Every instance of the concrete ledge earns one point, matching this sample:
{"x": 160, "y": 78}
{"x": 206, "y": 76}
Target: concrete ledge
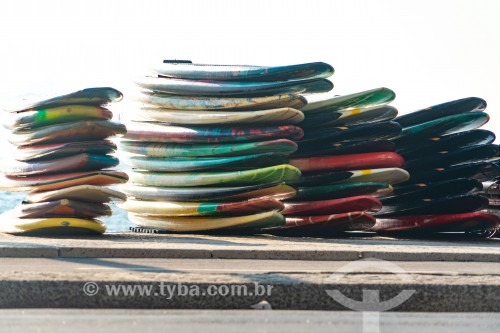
{"x": 250, "y": 247}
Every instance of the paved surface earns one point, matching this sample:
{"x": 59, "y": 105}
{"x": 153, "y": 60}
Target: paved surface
{"x": 121, "y": 321}
{"x": 250, "y": 247}
{"x": 298, "y": 285}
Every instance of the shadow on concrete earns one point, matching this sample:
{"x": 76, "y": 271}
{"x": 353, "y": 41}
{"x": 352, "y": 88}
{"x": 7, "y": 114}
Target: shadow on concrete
{"x": 118, "y": 265}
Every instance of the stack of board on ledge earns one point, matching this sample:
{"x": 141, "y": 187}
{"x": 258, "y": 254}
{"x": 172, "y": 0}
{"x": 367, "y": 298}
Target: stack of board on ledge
{"x": 209, "y": 147}
{"x": 448, "y": 158}
{"x": 62, "y": 159}
{"x": 346, "y": 159}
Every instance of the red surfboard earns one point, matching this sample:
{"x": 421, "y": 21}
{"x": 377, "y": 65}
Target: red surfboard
{"x": 334, "y": 206}
{"x": 353, "y": 221}
{"x": 349, "y": 162}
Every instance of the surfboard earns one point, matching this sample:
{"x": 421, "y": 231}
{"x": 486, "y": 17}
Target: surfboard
{"x": 446, "y": 142}
{"x": 80, "y": 162}
{"x": 442, "y": 110}
{"x": 333, "y": 206}
{"x": 453, "y": 204}
{"x": 183, "y": 164}
{"x": 348, "y": 162}
{"x": 482, "y": 171}
{"x": 352, "y": 221}
{"x": 277, "y": 173}
{"x": 221, "y": 103}
{"x": 89, "y": 96}
{"x": 192, "y": 71}
{"x": 387, "y": 175}
{"x": 199, "y": 224}
{"x": 446, "y": 125}
{"x": 350, "y": 133}
{"x": 350, "y": 116}
{"x": 455, "y": 156}
{"x": 439, "y": 222}
{"x": 345, "y": 148}
{"x": 85, "y": 193}
{"x": 282, "y": 116}
{"x": 336, "y": 191}
{"x": 57, "y": 115}
{"x": 60, "y": 181}
{"x": 172, "y": 208}
{"x": 62, "y": 208}
{"x": 181, "y": 134}
{"x": 57, "y": 150}
{"x": 78, "y": 130}
{"x": 220, "y": 88}
{"x": 281, "y": 146}
{"x": 50, "y": 226}
{"x": 278, "y": 191}
{"x": 410, "y": 193}
{"x": 361, "y": 99}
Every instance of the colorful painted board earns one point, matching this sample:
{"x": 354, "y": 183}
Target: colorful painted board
{"x": 85, "y": 193}
{"x": 219, "y": 88}
{"x": 90, "y": 96}
{"x": 172, "y": 208}
{"x": 192, "y": 71}
{"x": 149, "y": 149}
{"x": 221, "y": 103}
{"x": 183, "y": 164}
{"x": 278, "y": 191}
{"x": 349, "y": 162}
{"x": 323, "y": 224}
{"x": 78, "y": 130}
{"x": 278, "y": 173}
{"x": 57, "y": 115}
{"x": 199, "y": 224}
{"x": 62, "y": 208}
{"x": 57, "y": 150}
{"x": 180, "y": 134}
{"x": 333, "y": 206}
{"x": 349, "y": 117}
{"x": 386, "y": 175}
{"x": 336, "y": 191}
{"x": 80, "y": 162}
{"x": 344, "y": 148}
{"x": 442, "y": 110}
{"x": 60, "y": 181}
{"x": 282, "y": 116}
{"x": 362, "y": 99}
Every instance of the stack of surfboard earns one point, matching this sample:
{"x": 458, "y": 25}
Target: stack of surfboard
{"x": 62, "y": 158}
{"x": 448, "y": 158}
{"x": 346, "y": 159}
{"x": 210, "y": 150}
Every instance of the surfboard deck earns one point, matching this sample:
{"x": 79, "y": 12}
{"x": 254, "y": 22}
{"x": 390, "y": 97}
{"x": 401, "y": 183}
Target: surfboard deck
{"x": 282, "y": 116}
{"x": 50, "y": 226}
{"x": 352, "y": 221}
{"x": 387, "y": 175}
{"x": 58, "y": 150}
{"x": 337, "y": 191}
{"x": 85, "y": 193}
{"x": 200, "y": 224}
{"x": 181, "y": 134}
{"x": 349, "y": 162}
{"x": 345, "y": 148}
{"x": 61, "y": 181}
{"x": 439, "y": 222}
{"x": 192, "y": 71}
{"x": 221, "y": 103}
{"x": 278, "y": 191}
{"x": 56, "y": 115}
{"x": 88, "y": 96}
{"x": 442, "y": 110}
{"x": 278, "y": 173}
{"x": 172, "y": 208}
{"x": 183, "y": 164}
{"x": 482, "y": 171}
{"x": 62, "y": 208}
{"x": 149, "y": 149}
{"x": 220, "y": 88}
{"x": 366, "y": 98}
{"x": 78, "y": 130}
{"x": 333, "y": 206}
{"x": 349, "y": 117}
{"x": 75, "y": 163}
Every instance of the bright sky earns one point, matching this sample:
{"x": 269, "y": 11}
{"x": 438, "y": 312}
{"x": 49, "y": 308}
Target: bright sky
{"x": 427, "y": 51}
